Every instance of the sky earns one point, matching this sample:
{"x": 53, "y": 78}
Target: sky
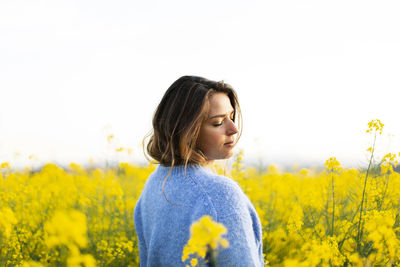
{"x": 309, "y": 75}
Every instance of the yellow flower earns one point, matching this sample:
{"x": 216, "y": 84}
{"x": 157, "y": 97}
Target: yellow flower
{"x": 5, "y": 165}
{"x": 375, "y": 126}
{"x": 7, "y": 222}
{"x": 78, "y": 260}
{"x": 295, "y": 221}
{"x": 388, "y": 162}
{"x": 333, "y": 165}
{"x": 31, "y": 264}
{"x": 204, "y": 233}
{"x": 379, "y": 229}
{"x": 67, "y": 228}
{"x": 193, "y": 262}
{"x": 76, "y": 168}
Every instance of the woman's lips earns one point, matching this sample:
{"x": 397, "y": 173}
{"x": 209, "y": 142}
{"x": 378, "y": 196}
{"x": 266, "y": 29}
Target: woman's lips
{"x": 229, "y": 144}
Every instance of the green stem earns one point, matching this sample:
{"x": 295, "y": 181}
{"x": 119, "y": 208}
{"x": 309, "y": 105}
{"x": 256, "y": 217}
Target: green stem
{"x": 359, "y": 231}
{"x": 212, "y": 257}
{"x": 349, "y": 230}
{"x": 384, "y": 193}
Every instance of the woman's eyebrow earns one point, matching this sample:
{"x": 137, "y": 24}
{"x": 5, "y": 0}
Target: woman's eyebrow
{"x": 221, "y": 115}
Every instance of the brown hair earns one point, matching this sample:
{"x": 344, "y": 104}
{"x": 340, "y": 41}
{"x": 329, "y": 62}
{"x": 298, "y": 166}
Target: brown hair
{"x": 178, "y": 118}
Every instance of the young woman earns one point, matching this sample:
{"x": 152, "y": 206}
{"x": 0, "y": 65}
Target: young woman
{"x": 194, "y": 124}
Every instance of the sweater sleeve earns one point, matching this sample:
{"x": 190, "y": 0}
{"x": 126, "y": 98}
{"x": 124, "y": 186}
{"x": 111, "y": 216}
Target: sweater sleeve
{"x": 137, "y": 218}
{"x": 238, "y": 215}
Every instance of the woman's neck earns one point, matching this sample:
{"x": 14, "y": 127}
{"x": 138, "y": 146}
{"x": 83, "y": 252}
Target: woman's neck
{"x": 208, "y": 164}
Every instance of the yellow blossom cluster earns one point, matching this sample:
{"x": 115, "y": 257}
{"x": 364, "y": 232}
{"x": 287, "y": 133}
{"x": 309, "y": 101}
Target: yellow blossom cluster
{"x": 332, "y": 164}
{"x": 5, "y": 165}
{"x": 205, "y": 234}
{"x": 388, "y": 162}
{"x": 7, "y": 222}
{"x": 66, "y": 228}
{"x": 381, "y": 229}
{"x": 375, "y": 126}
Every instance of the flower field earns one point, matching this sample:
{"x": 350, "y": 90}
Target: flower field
{"x": 84, "y": 217}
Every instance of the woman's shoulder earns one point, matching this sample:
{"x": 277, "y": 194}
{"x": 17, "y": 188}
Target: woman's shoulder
{"x": 197, "y": 174}
{"x": 213, "y": 181}
{"x": 224, "y": 194}
{"x": 195, "y": 178}
{"x": 224, "y": 184}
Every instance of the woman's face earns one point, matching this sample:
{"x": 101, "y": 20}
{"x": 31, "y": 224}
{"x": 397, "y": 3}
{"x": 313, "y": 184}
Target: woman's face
{"x": 217, "y": 133}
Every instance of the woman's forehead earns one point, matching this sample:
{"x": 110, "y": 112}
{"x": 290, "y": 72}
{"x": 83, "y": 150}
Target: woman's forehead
{"x": 220, "y": 104}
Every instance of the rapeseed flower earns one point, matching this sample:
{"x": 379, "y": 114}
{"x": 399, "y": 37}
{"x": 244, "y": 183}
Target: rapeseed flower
{"x": 7, "y": 221}
{"x": 205, "y": 234}
{"x": 332, "y": 164}
{"x": 388, "y": 162}
{"x": 5, "y": 165}
{"x": 67, "y": 228}
{"x": 375, "y": 126}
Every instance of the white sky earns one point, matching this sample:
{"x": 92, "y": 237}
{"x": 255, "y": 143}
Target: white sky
{"x": 309, "y": 74}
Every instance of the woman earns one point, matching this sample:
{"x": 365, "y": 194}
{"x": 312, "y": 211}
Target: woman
{"x": 194, "y": 124}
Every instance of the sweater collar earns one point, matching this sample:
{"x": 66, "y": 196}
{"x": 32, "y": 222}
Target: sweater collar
{"x": 180, "y": 169}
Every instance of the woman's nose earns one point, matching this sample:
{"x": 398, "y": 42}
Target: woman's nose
{"x": 232, "y": 129}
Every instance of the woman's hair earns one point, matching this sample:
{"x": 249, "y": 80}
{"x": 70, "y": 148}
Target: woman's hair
{"x": 179, "y": 117}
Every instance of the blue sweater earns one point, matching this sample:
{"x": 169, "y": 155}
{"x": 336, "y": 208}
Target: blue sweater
{"x": 163, "y": 229}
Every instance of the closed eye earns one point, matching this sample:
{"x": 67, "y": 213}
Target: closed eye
{"x": 219, "y": 124}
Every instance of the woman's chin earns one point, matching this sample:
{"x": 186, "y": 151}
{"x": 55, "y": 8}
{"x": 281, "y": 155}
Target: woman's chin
{"x": 229, "y": 155}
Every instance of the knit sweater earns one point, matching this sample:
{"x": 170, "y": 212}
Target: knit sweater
{"x": 163, "y": 229}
